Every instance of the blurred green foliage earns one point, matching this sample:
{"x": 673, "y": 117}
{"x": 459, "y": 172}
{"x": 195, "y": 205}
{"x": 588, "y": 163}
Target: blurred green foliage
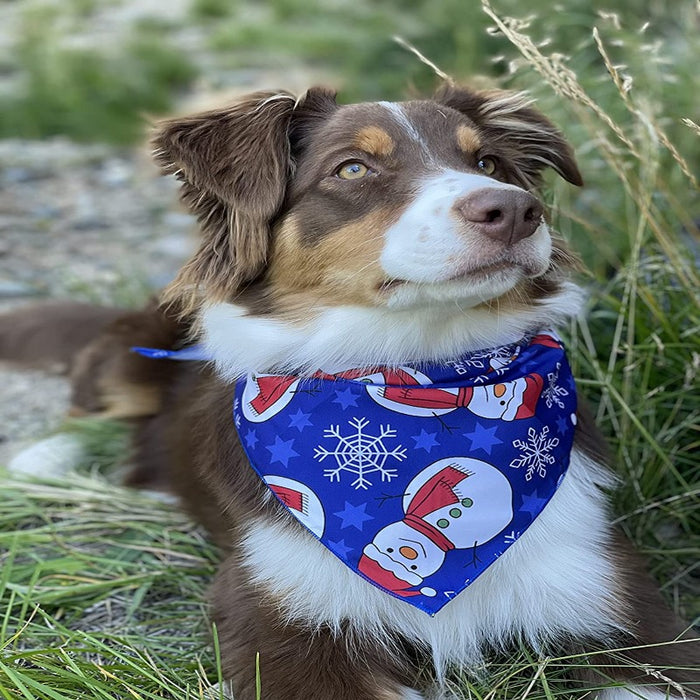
{"x": 87, "y": 94}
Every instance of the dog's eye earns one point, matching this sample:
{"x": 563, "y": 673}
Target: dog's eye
{"x": 353, "y": 170}
{"x": 488, "y": 164}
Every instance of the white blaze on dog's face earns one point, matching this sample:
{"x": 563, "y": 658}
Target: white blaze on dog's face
{"x": 412, "y": 223}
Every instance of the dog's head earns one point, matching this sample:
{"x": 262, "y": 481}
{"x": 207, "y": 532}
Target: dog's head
{"x": 322, "y": 223}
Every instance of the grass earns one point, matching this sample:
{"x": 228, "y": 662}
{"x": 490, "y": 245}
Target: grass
{"x": 89, "y": 94}
{"x": 102, "y": 592}
{"x": 102, "y": 588}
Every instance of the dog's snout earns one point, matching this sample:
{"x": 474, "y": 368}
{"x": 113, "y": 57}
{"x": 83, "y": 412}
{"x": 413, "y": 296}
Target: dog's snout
{"x": 504, "y": 214}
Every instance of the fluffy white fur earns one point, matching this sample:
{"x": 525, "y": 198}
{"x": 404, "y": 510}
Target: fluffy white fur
{"x": 343, "y": 337}
{"x": 429, "y": 243}
{"x": 556, "y": 580}
{"x": 410, "y": 694}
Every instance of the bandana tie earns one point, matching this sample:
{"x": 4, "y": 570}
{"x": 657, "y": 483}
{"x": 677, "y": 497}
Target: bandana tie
{"x": 416, "y": 477}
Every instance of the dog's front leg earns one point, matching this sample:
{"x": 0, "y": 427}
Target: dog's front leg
{"x": 290, "y": 662}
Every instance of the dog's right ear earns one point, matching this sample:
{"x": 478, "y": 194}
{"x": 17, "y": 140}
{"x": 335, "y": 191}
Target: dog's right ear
{"x": 234, "y": 164}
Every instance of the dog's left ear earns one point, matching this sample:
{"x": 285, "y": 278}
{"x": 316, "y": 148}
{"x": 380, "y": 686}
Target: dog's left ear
{"x": 529, "y": 140}
{"x": 234, "y": 164}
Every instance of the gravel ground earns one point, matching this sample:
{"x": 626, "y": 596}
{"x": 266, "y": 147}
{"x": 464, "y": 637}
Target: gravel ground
{"x": 83, "y": 222}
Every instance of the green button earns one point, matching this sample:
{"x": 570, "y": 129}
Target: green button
{"x": 467, "y": 502}
{"x": 456, "y": 512}
{"x": 443, "y": 523}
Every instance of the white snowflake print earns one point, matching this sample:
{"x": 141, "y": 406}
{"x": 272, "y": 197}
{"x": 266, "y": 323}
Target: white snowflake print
{"x": 535, "y": 452}
{"x": 475, "y": 361}
{"x": 492, "y": 360}
{"x": 552, "y": 393}
{"x": 499, "y": 360}
{"x": 360, "y": 453}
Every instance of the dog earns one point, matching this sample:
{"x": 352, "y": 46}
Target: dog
{"x": 379, "y": 252}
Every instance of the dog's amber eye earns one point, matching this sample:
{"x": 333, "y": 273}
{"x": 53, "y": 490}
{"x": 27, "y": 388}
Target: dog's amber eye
{"x": 488, "y": 165}
{"x": 352, "y": 171}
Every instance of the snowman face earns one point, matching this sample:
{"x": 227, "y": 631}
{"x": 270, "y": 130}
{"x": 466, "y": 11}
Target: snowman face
{"x": 405, "y": 552}
{"x": 498, "y": 400}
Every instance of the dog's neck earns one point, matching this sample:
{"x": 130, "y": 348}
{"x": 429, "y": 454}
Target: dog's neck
{"x": 341, "y": 338}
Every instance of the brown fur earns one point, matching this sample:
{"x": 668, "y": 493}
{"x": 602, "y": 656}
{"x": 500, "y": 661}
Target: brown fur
{"x": 507, "y": 119}
{"x": 110, "y": 381}
{"x": 49, "y": 336}
{"x": 375, "y": 141}
{"x": 281, "y": 234}
{"x": 234, "y": 164}
{"x": 340, "y": 270}
{"x": 327, "y": 670}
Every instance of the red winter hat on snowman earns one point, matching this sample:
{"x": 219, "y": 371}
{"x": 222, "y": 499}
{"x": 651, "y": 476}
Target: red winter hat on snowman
{"x": 389, "y": 581}
{"x": 531, "y": 395}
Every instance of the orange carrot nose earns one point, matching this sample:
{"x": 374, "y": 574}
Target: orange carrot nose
{"x": 408, "y": 552}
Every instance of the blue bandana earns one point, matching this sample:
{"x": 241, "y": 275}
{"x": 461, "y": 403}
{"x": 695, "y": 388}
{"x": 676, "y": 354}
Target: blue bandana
{"x": 418, "y": 478}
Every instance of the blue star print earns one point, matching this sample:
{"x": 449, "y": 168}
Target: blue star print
{"x": 340, "y": 548}
{"x": 281, "y": 451}
{"x": 425, "y": 440}
{"x": 562, "y": 425}
{"x": 251, "y": 439}
{"x": 483, "y": 438}
{"x": 345, "y": 398}
{"x": 354, "y": 515}
{"x": 299, "y": 420}
{"x": 533, "y": 504}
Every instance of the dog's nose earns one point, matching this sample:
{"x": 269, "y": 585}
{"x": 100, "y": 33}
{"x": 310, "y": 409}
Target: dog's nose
{"x": 504, "y": 214}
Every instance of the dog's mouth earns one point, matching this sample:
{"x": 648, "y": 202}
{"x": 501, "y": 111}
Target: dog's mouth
{"x": 471, "y": 275}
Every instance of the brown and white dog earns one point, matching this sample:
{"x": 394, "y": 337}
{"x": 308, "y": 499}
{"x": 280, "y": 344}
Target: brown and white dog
{"x": 381, "y": 234}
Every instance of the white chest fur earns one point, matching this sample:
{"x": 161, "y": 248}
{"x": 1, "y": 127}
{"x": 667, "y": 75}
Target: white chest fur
{"x": 555, "y": 580}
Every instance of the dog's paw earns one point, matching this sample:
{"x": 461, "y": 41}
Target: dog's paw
{"x": 53, "y": 457}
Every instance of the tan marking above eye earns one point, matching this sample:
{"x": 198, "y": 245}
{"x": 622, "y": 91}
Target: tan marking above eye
{"x": 467, "y": 139}
{"x": 374, "y": 140}
{"x": 354, "y": 170}
{"x": 499, "y": 390}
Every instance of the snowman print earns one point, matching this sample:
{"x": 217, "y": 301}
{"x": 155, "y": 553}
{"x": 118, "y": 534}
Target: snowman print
{"x": 301, "y": 501}
{"x": 454, "y": 503}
